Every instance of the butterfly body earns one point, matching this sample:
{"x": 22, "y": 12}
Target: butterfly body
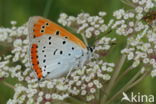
{"x": 53, "y": 50}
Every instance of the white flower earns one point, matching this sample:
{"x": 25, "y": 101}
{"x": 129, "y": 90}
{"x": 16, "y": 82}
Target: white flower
{"x": 153, "y": 73}
{"x": 130, "y": 56}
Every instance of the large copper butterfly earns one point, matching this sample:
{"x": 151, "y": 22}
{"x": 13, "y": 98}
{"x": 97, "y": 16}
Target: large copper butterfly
{"x": 53, "y": 50}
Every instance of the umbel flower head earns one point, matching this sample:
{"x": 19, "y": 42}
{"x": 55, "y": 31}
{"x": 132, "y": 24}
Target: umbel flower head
{"x": 82, "y": 84}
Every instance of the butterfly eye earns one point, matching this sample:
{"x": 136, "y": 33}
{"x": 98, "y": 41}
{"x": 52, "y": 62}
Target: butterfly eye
{"x": 90, "y": 49}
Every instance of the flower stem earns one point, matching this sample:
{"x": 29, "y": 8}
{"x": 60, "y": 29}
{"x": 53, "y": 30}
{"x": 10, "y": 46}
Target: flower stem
{"x": 124, "y": 73}
{"x": 8, "y": 85}
{"x": 137, "y": 81}
{"x": 47, "y": 8}
{"x": 114, "y": 77}
{"x": 129, "y": 85}
{"x": 75, "y": 101}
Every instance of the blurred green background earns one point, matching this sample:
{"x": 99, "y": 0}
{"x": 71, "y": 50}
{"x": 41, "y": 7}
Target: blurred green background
{"x": 21, "y": 10}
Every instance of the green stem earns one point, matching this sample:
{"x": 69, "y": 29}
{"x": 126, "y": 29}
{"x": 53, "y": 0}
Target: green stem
{"x": 8, "y": 85}
{"x": 114, "y": 77}
{"x": 126, "y": 87}
{"x": 75, "y": 101}
{"x": 47, "y": 8}
{"x": 137, "y": 81}
{"x": 124, "y": 73}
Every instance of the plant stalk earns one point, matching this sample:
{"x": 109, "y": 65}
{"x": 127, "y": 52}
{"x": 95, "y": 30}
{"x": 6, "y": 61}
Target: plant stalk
{"x": 129, "y": 85}
{"x": 8, "y": 85}
{"x": 114, "y": 77}
{"x": 47, "y": 8}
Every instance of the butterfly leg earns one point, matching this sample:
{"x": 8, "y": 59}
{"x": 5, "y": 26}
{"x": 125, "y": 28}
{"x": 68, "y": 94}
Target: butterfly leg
{"x": 69, "y": 73}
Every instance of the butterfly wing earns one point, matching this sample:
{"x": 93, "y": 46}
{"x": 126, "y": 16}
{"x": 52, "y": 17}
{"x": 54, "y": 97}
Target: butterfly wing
{"x": 54, "y": 50}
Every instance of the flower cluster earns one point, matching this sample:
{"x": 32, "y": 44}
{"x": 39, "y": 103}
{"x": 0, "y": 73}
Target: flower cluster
{"x": 86, "y": 24}
{"x": 141, "y": 46}
{"x": 81, "y": 82}
{"x": 141, "y": 51}
{"x": 130, "y": 22}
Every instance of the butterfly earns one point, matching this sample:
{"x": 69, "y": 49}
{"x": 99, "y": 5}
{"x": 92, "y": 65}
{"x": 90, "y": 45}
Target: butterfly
{"x": 53, "y": 50}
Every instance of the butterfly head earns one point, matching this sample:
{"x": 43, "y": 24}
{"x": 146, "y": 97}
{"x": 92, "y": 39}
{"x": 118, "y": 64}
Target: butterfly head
{"x": 90, "y": 49}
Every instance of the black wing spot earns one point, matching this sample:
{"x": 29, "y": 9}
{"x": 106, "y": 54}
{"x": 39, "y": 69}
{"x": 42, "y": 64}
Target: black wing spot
{"x": 66, "y": 37}
{"x": 44, "y": 60}
{"x": 48, "y": 72}
{"x": 57, "y": 32}
{"x": 69, "y": 54}
{"x": 47, "y": 24}
{"x": 49, "y": 43}
{"x": 61, "y": 52}
{"x": 42, "y": 31}
{"x": 39, "y": 41}
{"x": 45, "y": 66}
{"x": 43, "y": 26}
{"x": 55, "y": 52}
{"x": 58, "y": 63}
{"x": 42, "y": 50}
{"x": 72, "y": 48}
{"x": 44, "y": 55}
{"x": 64, "y": 42}
{"x": 44, "y": 47}
{"x": 49, "y": 37}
